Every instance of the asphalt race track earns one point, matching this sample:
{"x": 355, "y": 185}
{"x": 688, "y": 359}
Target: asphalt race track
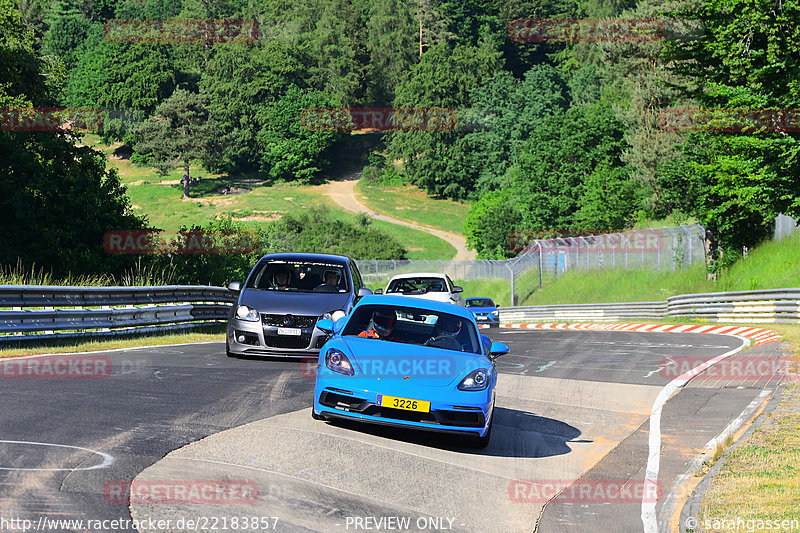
{"x": 569, "y": 450}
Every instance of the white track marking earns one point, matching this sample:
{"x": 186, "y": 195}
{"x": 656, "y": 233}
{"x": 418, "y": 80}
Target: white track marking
{"x": 672, "y": 499}
{"x": 649, "y": 520}
{"x": 107, "y": 459}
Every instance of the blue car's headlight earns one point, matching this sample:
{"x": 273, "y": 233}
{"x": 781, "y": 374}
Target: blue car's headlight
{"x": 244, "y": 312}
{"x": 338, "y": 362}
{"x": 476, "y": 380}
{"x": 495, "y": 313}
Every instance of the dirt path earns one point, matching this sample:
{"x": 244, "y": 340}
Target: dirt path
{"x": 343, "y": 193}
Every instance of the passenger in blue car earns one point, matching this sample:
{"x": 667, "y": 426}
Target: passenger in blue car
{"x": 382, "y": 326}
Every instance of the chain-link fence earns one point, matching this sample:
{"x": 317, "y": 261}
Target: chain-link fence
{"x": 784, "y": 226}
{"x": 658, "y": 249}
{"x": 669, "y": 248}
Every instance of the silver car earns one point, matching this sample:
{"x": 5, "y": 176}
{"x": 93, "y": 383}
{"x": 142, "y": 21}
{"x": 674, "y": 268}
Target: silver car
{"x": 282, "y": 299}
{"x": 428, "y": 285}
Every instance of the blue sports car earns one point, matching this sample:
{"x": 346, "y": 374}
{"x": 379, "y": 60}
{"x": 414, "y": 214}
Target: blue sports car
{"x": 408, "y": 362}
{"x": 485, "y": 311}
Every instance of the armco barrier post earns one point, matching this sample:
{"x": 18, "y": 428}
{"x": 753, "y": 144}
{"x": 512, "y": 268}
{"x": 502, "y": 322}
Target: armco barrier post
{"x": 511, "y": 270}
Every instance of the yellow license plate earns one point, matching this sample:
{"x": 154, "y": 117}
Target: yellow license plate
{"x": 404, "y": 403}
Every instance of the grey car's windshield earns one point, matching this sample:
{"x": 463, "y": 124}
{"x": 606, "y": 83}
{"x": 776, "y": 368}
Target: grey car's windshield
{"x": 410, "y": 325}
{"x": 299, "y": 276}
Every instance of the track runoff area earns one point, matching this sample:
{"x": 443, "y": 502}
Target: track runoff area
{"x": 598, "y": 426}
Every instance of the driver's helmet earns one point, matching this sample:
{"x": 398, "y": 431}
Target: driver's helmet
{"x": 450, "y": 326}
{"x": 383, "y": 322}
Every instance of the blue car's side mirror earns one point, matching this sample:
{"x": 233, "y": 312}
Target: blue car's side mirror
{"x": 325, "y": 324}
{"x": 486, "y": 341}
{"x": 339, "y": 324}
{"x": 498, "y": 348}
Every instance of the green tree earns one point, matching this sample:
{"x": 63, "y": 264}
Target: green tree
{"x": 747, "y": 177}
{"x": 392, "y": 48}
{"x": 516, "y": 108}
{"x": 242, "y": 84}
{"x": 68, "y": 29}
{"x": 178, "y": 132}
{"x": 57, "y": 198}
{"x": 444, "y": 78}
{"x": 126, "y": 80}
{"x": 289, "y": 150}
{"x": 490, "y": 225}
{"x": 551, "y": 173}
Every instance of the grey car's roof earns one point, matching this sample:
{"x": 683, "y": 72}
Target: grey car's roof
{"x": 306, "y": 257}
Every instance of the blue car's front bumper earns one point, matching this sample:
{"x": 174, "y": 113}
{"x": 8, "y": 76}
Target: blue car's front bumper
{"x": 482, "y": 317}
{"x": 451, "y": 411}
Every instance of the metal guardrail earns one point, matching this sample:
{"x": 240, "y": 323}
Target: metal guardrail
{"x": 771, "y": 306}
{"x": 39, "y": 312}
{"x": 36, "y": 311}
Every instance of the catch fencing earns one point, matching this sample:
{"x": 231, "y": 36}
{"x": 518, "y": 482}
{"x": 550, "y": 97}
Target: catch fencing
{"x": 784, "y": 226}
{"x": 669, "y": 248}
{"x": 32, "y": 312}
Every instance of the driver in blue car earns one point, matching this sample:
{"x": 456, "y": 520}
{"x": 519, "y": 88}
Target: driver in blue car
{"x": 446, "y": 334}
{"x": 382, "y": 326}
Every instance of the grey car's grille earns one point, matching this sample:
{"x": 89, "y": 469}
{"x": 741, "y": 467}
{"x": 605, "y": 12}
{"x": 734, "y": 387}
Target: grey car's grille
{"x": 288, "y": 321}
{"x": 291, "y": 342}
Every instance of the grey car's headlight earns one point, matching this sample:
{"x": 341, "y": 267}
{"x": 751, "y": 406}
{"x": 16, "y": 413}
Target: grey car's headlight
{"x": 476, "y": 380}
{"x": 337, "y": 361}
{"x": 334, "y": 315}
{"x": 244, "y": 312}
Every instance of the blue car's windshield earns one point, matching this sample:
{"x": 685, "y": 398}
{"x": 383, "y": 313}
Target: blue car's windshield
{"x": 411, "y": 325}
{"x": 479, "y": 302}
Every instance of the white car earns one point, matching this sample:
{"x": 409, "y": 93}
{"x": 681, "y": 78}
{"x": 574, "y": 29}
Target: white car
{"x": 428, "y": 285}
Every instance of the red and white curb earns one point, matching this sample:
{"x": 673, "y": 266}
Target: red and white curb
{"x": 758, "y": 335}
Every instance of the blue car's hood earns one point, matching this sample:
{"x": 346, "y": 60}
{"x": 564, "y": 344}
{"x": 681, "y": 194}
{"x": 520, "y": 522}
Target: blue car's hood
{"x": 293, "y": 303}
{"x": 482, "y": 309}
{"x": 375, "y": 359}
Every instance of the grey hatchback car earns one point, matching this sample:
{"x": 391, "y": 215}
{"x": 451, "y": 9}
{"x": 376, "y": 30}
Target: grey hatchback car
{"x": 282, "y": 299}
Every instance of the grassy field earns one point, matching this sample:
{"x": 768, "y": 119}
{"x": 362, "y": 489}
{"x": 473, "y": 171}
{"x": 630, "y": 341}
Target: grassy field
{"x": 411, "y": 204}
{"x": 160, "y": 198}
